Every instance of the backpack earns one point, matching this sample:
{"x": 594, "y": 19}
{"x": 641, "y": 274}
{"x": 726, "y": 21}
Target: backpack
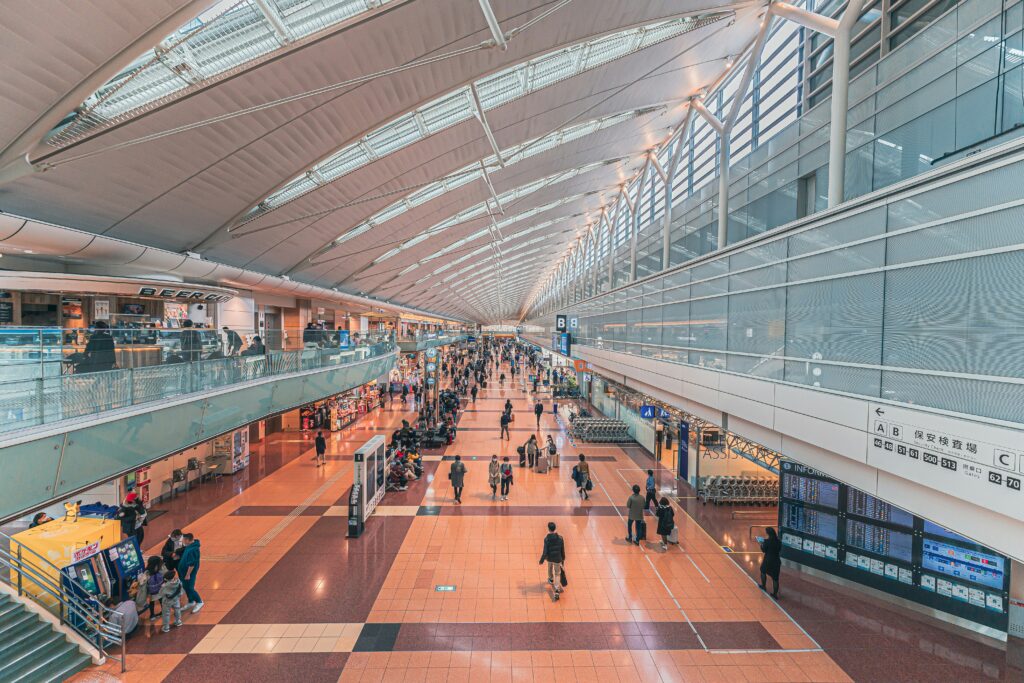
{"x": 155, "y": 583}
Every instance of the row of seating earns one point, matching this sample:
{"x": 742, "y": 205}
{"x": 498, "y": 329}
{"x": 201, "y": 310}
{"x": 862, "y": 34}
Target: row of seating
{"x": 745, "y": 489}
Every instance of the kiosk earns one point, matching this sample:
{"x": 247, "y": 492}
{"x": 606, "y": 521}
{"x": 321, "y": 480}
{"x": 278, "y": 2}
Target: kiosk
{"x": 124, "y": 565}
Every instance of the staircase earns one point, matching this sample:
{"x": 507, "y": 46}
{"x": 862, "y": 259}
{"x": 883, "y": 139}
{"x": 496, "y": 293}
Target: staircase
{"x": 31, "y": 650}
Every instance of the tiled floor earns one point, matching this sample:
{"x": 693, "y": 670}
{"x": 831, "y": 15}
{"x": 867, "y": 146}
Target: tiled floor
{"x": 435, "y": 591}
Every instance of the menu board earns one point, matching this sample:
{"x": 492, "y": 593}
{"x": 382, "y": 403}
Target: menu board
{"x": 844, "y": 531}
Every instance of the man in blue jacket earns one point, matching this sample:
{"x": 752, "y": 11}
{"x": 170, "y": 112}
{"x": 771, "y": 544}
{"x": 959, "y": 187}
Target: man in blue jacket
{"x": 188, "y": 567}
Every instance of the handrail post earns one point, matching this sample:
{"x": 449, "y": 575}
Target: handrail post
{"x": 20, "y": 573}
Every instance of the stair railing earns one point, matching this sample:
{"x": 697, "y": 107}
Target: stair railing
{"x": 36, "y": 578}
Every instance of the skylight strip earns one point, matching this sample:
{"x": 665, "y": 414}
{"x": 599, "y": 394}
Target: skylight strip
{"x": 506, "y": 86}
{"x": 227, "y": 37}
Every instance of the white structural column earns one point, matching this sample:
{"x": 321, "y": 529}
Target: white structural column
{"x": 682, "y": 143}
{"x": 723, "y": 168}
{"x": 634, "y": 223}
{"x": 611, "y": 248}
{"x": 842, "y": 33}
{"x": 595, "y": 244}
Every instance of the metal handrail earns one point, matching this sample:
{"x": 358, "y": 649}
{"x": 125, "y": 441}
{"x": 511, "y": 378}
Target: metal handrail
{"x": 98, "y": 629}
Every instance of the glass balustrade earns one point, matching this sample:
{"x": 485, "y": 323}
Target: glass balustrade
{"x": 52, "y": 374}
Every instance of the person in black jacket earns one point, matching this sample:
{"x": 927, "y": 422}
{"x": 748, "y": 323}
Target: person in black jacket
{"x": 666, "y": 521}
{"x": 538, "y": 410}
{"x": 554, "y": 554}
{"x": 233, "y": 341}
{"x": 171, "y": 552}
{"x": 99, "y": 350}
{"x": 133, "y": 517}
{"x": 771, "y": 564}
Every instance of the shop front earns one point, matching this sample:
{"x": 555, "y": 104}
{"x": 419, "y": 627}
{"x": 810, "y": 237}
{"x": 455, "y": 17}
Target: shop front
{"x": 50, "y": 317}
{"x": 337, "y": 412}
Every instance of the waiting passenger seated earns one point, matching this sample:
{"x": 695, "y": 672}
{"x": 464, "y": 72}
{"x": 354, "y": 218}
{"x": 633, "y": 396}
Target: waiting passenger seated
{"x": 256, "y": 348}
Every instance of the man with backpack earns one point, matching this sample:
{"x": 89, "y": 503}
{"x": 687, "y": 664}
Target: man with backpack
{"x": 554, "y": 554}
{"x": 505, "y": 419}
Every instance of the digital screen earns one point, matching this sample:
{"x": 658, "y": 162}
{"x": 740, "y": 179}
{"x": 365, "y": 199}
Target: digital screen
{"x": 134, "y": 309}
{"x": 814, "y": 522}
{"x": 128, "y": 556}
{"x": 87, "y": 578}
{"x": 811, "y": 491}
{"x": 936, "y": 530}
{"x": 961, "y": 563}
{"x": 564, "y": 344}
{"x": 864, "y": 505}
{"x": 879, "y": 540}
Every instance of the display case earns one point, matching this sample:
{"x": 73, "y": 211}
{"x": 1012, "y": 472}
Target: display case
{"x": 232, "y": 450}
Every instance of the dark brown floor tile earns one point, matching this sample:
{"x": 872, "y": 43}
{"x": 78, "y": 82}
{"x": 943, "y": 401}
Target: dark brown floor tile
{"x": 279, "y": 668}
{"x": 736, "y": 635}
{"x": 148, "y": 640}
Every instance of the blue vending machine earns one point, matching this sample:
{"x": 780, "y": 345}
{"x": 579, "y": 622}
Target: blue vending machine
{"x": 125, "y": 565}
{"x": 89, "y": 580}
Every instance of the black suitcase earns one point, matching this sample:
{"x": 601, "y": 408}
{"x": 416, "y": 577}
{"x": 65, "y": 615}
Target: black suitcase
{"x": 521, "y": 450}
{"x": 641, "y": 532}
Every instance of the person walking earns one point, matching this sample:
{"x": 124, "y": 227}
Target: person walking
{"x": 582, "y": 470}
{"x": 552, "y": 451}
{"x": 494, "y": 475}
{"x": 391, "y": 393}
{"x": 149, "y": 585}
{"x": 538, "y": 410}
{"x": 771, "y": 563}
{"x": 666, "y": 521}
{"x": 554, "y": 554}
{"x": 652, "y": 491}
{"x": 188, "y": 567}
{"x": 506, "y": 477}
{"x": 457, "y": 474}
{"x": 170, "y": 600}
{"x": 321, "y": 449}
{"x": 191, "y": 342}
{"x": 532, "y": 451}
{"x": 635, "y": 517}
{"x": 405, "y": 392}
{"x": 505, "y": 419}
{"x": 473, "y": 392}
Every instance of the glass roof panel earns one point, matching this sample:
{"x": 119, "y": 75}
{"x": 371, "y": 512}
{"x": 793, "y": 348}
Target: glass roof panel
{"x": 501, "y": 88}
{"x": 228, "y": 36}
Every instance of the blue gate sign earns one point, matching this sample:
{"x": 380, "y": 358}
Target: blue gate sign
{"x": 647, "y": 412}
{"x": 663, "y": 414}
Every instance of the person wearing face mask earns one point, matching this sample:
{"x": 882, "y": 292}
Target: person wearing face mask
{"x": 494, "y": 475}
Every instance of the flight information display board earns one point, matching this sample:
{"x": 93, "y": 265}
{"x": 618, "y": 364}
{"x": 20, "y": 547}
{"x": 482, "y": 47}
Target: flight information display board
{"x": 807, "y": 490}
{"x": 844, "y": 531}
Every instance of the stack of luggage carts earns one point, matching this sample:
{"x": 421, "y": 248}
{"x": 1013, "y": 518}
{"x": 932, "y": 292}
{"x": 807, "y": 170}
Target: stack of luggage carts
{"x": 743, "y": 489}
{"x": 600, "y": 430}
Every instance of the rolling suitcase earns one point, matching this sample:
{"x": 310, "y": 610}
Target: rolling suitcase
{"x": 522, "y": 455}
{"x": 543, "y": 463}
{"x": 641, "y": 531}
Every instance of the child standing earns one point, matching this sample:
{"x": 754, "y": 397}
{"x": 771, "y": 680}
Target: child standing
{"x": 170, "y": 599}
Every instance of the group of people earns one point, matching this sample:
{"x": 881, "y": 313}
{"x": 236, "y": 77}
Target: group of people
{"x": 168, "y": 578}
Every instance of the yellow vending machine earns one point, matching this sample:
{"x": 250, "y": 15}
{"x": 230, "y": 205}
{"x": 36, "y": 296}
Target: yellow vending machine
{"x": 62, "y": 542}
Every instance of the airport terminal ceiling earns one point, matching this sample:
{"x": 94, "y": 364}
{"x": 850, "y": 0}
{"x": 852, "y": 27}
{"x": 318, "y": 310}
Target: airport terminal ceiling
{"x": 398, "y": 148}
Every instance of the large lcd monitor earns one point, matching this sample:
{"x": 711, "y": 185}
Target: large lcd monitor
{"x": 841, "y": 530}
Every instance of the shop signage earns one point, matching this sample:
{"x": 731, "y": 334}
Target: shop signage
{"x": 972, "y": 461}
{"x": 560, "y": 323}
{"x": 101, "y": 309}
{"x": 189, "y": 294}
{"x": 6, "y": 311}
{"x": 87, "y": 551}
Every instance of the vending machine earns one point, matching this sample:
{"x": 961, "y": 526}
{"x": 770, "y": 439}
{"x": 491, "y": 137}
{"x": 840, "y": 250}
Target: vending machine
{"x": 124, "y": 565}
